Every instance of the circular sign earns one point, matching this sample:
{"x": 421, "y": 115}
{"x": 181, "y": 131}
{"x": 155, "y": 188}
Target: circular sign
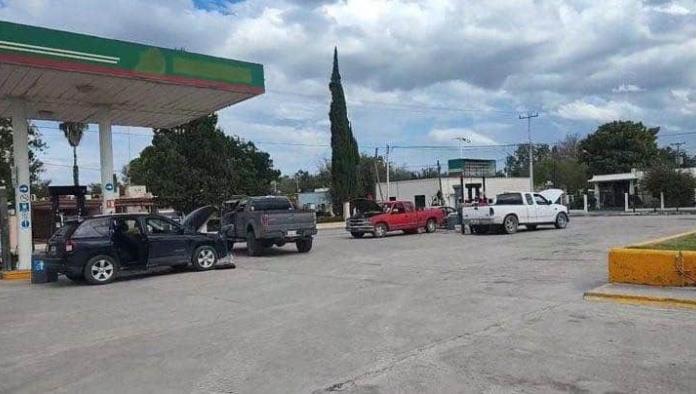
{"x": 23, "y": 189}
{"x": 109, "y": 187}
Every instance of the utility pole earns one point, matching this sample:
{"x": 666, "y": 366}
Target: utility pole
{"x": 388, "y": 185}
{"x": 379, "y": 184}
{"x": 678, "y": 145}
{"x": 529, "y": 117}
{"x": 439, "y": 180}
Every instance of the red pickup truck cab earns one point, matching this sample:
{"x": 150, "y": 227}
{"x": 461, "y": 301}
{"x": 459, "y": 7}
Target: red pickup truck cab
{"x": 380, "y": 218}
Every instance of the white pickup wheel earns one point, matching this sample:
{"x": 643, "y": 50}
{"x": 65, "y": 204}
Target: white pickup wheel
{"x": 510, "y": 224}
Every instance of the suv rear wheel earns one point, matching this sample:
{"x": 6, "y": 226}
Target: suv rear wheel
{"x": 100, "y": 270}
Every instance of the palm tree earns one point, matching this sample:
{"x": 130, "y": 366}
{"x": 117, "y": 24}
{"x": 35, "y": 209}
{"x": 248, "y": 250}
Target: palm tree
{"x": 73, "y": 132}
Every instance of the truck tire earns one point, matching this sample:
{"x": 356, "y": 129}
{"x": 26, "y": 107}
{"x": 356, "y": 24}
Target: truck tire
{"x": 204, "y": 258}
{"x": 357, "y": 234}
{"x": 430, "y": 226}
{"x": 100, "y": 270}
{"x": 561, "y": 221}
{"x": 254, "y": 247}
{"x": 476, "y": 229}
{"x": 304, "y": 245}
{"x": 510, "y": 224}
{"x": 380, "y": 230}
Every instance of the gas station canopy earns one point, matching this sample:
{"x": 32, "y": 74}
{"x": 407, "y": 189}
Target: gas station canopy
{"x": 66, "y": 76}
{"x": 61, "y": 76}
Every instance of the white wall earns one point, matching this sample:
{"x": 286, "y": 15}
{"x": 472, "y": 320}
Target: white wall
{"x": 407, "y": 190}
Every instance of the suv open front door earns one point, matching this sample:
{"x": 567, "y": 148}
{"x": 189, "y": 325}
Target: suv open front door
{"x": 129, "y": 242}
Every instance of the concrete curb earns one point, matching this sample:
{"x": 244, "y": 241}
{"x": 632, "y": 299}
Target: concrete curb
{"x": 652, "y": 266}
{"x": 644, "y": 296}
{"x": 15, "y": 275}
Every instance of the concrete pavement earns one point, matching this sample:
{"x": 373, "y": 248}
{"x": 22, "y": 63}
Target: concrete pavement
{"x": 408, "y": 313}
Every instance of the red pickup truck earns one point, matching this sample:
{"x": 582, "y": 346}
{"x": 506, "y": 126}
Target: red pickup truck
{"x": 380, "y": 218}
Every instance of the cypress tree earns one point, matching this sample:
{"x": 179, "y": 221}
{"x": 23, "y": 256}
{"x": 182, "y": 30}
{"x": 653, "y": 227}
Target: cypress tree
{"x": 345, "y": 156}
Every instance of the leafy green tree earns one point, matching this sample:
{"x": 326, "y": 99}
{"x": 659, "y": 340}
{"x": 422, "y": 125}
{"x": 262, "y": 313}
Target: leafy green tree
{"x": 619, "y": 146}
{"x": 517, "y": 164}
{"x": 197, "y": 164}
{"x": 345, "y": 157}
{"x": 36, "y": 166}
{"x": 677, "y": 185}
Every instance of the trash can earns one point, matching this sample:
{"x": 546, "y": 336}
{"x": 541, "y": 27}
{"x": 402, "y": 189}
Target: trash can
{"x": 39, "y": 273}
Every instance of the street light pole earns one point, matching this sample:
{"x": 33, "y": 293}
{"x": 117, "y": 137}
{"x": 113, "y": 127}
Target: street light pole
{"x": 529, "y": 117}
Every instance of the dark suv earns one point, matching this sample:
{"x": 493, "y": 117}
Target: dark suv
{"x": 97, "y": 248}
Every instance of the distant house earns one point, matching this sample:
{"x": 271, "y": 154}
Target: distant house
{"x": 609, "y": 189}
{"x": 318, "y": 200}
{"x": 422, "y": 192}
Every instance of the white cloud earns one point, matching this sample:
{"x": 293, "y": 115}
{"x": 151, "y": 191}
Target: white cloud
{"x": 627, "y": 88}
{"x": 418, "y": 71}
{"x": 603, "y": 111}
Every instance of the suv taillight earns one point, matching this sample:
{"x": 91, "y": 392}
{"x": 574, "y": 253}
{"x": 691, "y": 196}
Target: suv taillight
{"x": 69, "y": 244}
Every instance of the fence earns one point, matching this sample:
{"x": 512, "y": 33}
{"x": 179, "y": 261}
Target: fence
{"x": 624, "y": 202}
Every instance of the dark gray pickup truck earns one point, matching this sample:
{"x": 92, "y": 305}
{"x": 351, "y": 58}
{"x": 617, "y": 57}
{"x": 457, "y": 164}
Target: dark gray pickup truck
{"x": 266, "y": 221}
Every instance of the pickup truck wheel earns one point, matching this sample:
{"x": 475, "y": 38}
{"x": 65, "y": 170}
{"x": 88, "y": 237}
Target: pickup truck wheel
{"x": 304, "y": 245}
{"x": 100, "y": 270}
{"x": 510, "y": 224}
{"x": 380, "y": 230}
{"x": 430, "y": 226}
{"x": 356, "y": 234}
{"x": 561, "y": 221}
{"x": 254, "y": 247}
{"x": 204, "y": 258}
{"x": 476, "y": 229}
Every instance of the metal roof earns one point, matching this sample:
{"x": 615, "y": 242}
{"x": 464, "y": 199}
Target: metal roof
{"x": 66, "y": 76}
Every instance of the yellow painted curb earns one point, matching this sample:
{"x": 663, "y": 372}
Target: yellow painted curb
{"x": 663, "y": 302}
{"x": 15, "y": 275}
{"x": 652, "y": 267}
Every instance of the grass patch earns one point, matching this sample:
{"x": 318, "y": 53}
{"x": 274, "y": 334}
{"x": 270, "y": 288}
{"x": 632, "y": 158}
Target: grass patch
{"x": 687, "y": 242}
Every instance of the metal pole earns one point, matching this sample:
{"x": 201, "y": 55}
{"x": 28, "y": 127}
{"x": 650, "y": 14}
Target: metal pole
{"x": 529, "y": 117}
{"x": 439, "y": 180}
{"x": 388, "y": 185}
{"x": 5, "y": 230}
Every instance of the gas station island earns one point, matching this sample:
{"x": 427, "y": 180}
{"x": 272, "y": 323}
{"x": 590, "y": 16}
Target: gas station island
{"x": 55, "y": 75}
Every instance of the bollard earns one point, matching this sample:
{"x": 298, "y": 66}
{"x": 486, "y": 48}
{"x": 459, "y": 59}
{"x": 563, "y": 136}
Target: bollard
{"x": 584, "y": 202}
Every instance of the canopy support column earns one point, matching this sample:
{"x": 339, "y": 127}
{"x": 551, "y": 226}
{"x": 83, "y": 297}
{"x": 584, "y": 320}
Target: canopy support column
{"x": 20, "y": 143}
{"x": 106, "y": 158}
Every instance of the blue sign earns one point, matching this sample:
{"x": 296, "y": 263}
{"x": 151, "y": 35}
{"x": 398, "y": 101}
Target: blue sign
{"x": 25, "y": 224}
{"x": 38, "y": 265}
{"x": 23, "y": 189}
{"x": 24, "y": 207}
{"x": 109, "y": 187}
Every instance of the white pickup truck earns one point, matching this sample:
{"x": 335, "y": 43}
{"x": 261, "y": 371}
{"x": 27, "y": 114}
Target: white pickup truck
{"x": 510, "y": 210}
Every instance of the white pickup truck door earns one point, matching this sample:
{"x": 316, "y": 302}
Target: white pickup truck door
{"x": 529, "y": 215}
{"x": 545, "y": 212}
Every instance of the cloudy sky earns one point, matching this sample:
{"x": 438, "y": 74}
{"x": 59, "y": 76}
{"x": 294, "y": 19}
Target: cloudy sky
{"x": 416, "y": 73}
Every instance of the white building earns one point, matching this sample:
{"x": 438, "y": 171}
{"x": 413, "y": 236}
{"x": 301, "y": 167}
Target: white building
{"x": 422, "y": 192}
